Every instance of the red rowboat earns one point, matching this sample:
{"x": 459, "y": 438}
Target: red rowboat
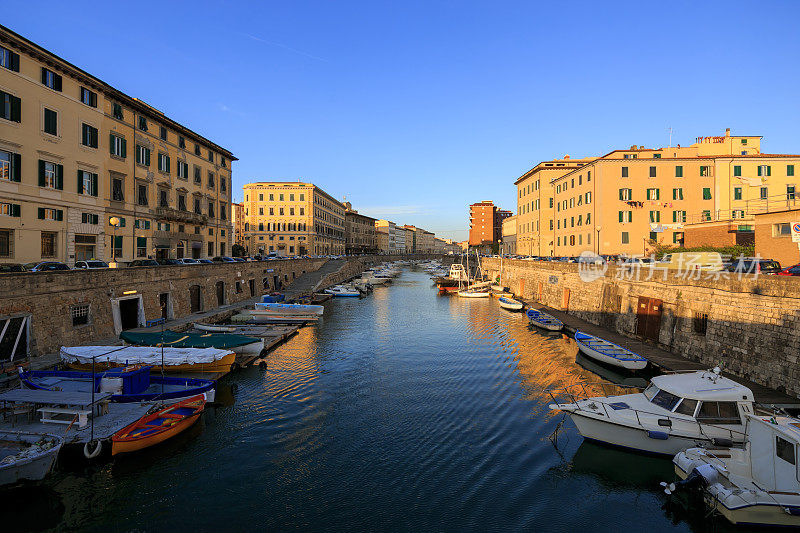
{"x": 159, "y": 426}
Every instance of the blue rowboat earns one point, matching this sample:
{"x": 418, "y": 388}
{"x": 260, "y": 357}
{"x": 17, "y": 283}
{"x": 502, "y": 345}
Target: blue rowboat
{"x": 127, "y": 384}
{"x": 608, "y": 352}
{"x": 291, "y": 309}
{"x": 510, "y": 303}
{"x": 543, "y": 320}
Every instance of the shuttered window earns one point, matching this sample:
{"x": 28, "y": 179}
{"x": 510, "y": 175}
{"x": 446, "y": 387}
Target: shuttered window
{"x": 9, "y": 59}
{"x": 50, "y": 121}
{"x": 51, "y": 79}
{"x": 10, "y": 107}
{"x": 89, "y": 136}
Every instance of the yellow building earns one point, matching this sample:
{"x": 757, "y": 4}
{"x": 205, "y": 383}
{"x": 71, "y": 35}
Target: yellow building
{"x": 292, "y": 218}
{"x": 76, "y": 152}
{"x": 628, "y": 200}
{"x": 237, "y": 219}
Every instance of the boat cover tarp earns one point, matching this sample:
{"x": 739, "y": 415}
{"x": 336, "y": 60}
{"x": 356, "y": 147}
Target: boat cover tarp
{"x": 146, "y": 355}
{"x": 187, "y": 340}
{"x": 291, "y": 308}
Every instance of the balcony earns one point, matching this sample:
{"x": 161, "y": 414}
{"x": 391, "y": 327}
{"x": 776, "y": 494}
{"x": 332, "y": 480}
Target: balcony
{"x": 176, "y": 215}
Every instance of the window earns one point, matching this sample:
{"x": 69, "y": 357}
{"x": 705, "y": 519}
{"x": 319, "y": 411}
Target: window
{"x": 719, "y": 413}
{"x": 211, "y": 156}
{"x": 197, "y": 178}
{"x": 737, "y": 170}
{"x": 763, "y": 193}
{"x": 706, "y": 193}
{"x": 625, "y": 194}
{"x": 51, "y": 79}
{"x": 737, "y": 193}
{"x": 10, "y": 107}
{"x": 686, "y": 407}
{"x": 588, "y": 197}
{"x": 116, "y": 249}
{"x": 624, "y": 172}
{"x": 142, "y": 123}
{"x": 678, "y": 216}
{"x": 142, "y": 155}
{"x": 744, "y": 141}
{"x": 737, "y": 213}
{"x": 89, "y": 136}
{"x": 6, "y": 243}
{"x": 303, "y": 210}
{"x": 706, "y": 216}
{"x": 87, "y": 183}
{"x": 10, "y": 168}
{"x": 785, "y": 450}
{"x": 790, "y": 170}
{"x": 163, "y": 226}
{"x": 182, "y": 202}
{"x": 211, "y": 209}
{"x": 764, "y": 170}
{"x": 117, "y": 189}
{"x": 117, "y": 111}
{"x": 183, "y": 170}
{"x": 9, "y": 210}
{"x": 280, "y": 197}
{"x": 222, "y": 184}
{"x": 88, "y": 97}
{"x": 181, "y": 142}
{"x": 163, "y": 198}
{"x": 655, "y": 216}
{"x": 781, "y": 230}
{"x": 700, "y": 323}
{"x": 210, "y": 249}
{"x": 665, "y": 400}
{"x": 271, "y": 197}
{"x": 141, "y": 195}
{"x": 163, "y": 162}
{"x": 141, "y": 246}
{"x": 9, "y": 59}
{"x": 79, "y": 314}
{"x": 48, "y": 244}
{"x": 51, "y": 175}
{"x": 50, "y": 121}
{"x": 625, "y": 216}
{"x": 90, "y": 218}
{"x": 790, "y": 192}
{"x": 677, "y": 194}
{"x": 210, "y": 180}
{"x": 197, "y": 208}
{"x": 222, "y": 211}
{"x": 652, "y": 172}
{"x": 117, "y": 145}
{"x": 46, "y": 213}
{"x": 163, "y": 133}
{"x": 704, "y": 172}
{"x": 678, "y": 171}
{"x": 653, "y": 194}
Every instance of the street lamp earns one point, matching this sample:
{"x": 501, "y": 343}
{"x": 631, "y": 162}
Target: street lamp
{"x": 114, "y": 221}
{"x": 598, "y": 228}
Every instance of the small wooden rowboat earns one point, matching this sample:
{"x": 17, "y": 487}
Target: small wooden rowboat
{"x": 214, "y": 328}
{"x": 543, "y": 320}
{"x": 510, "y": 303}
{"x": 608, "y": 352}
{"x": 473, "y": 294}
{"x": 159, "y": 426}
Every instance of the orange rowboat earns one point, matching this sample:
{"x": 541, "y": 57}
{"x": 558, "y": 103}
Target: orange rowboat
{"x": 159, "y": 426}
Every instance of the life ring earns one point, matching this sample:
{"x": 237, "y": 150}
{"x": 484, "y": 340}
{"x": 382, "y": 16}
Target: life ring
{"x": 92, "y": 454}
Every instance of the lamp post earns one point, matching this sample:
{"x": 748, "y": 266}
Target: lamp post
{"x": 598, "y": 228}
{"x": 114, "y": 221}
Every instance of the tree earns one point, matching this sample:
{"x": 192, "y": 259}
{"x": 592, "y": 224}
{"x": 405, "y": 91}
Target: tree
{"x": 238, "y": 250}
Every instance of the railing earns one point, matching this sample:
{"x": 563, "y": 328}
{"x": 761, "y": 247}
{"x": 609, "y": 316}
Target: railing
{"x": 168, "y": 213}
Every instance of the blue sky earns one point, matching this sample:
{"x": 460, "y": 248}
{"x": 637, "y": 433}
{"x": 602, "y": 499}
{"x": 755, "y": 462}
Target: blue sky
{"x": 415, "y": 109}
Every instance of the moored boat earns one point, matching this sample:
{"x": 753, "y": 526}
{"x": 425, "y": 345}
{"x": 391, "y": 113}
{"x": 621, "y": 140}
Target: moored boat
{"x": 510, "y": 303}
{"x": 470, "y": 293}
{"x": 174, "y": 359}
{"x": 608, "y": 352}
{"x": 675, "y": 412}
{"x": 544, "y": 320}
{"x": 214, "y": 328}
{"x": 343, "y": 292}
{"x": 236, "y": 343}
{"x": 159, "y": 426}
{"x": 126, "y": 384}
{"x": 290, "y": 309}
{"x": 26, "y": 456}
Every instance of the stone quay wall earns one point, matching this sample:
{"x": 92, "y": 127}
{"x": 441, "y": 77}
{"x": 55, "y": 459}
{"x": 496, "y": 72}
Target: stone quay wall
{"x": 749, "y": 325}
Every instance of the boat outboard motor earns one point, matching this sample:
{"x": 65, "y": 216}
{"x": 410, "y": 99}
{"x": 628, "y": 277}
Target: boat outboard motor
{"x": 700, "y": 476}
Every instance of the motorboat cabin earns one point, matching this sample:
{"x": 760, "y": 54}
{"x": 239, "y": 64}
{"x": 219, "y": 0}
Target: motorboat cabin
{"x": 675, "y": 412}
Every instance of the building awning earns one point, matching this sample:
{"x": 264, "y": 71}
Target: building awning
{"x": 161, "y": 243}
{"x": 162, "y": 246}
{"x": 197, "y": 244}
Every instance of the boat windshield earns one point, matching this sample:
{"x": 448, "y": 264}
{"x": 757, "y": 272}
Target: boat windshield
{"x": 650, "y": 391}
{"x": 687, "y": 407}
{"x": 665, "y": 400}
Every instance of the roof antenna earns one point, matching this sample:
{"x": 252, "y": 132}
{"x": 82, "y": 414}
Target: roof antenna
{"x": 671, "y": 131}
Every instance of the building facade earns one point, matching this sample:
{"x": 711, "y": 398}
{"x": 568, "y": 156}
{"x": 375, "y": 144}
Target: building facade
{"x": 482, "y": 218}
{"x": 77, "y": 154}
{"x": 388, "y": 240}
{"x": 509, "y": 236}
{"x": 359, "y": 232}
{"x": 292, "y": 218}
{"x": 238, "y": 222}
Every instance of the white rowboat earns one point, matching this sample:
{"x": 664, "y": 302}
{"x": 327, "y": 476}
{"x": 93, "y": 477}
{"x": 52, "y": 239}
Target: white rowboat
{"x": 608, "y": 352}
{"x": 510, "y": 303}
{"x": 543, "y": 320}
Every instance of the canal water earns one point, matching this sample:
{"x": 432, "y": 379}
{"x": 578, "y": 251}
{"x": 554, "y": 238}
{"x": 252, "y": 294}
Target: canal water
{"x": 402, "y": 411}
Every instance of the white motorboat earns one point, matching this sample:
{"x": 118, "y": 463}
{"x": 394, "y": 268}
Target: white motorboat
{"x": 26, "y": 455}
{"x": 214, "y": 328}
{"x": 756, "y": 485}
{"x": 608, "y": 352}
{"x": 473, "y": 294}
{"x": 544, "y": 320}
{"x": 343, "y": 292}
{"x": 675, "y": 412}
{"x": 510, "y": 303}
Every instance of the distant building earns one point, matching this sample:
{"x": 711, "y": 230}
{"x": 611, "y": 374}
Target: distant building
{"x": 482, "y": 219}
{"x": 238, "y": 221}
{"x": 499, "y": 216}
{"x": 359, "y": 232}
{"x": 292, "y": 218}
{"x": 386, "y": 230}
{"x": 509, "y": 236}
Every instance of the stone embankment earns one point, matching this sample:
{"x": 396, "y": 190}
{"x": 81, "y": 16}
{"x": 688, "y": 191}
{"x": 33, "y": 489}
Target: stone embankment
{"x": 81, "y": 307}
{"x": 749, "y": 325}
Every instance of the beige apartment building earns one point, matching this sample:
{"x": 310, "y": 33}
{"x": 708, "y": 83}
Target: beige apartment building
{"x": 238, "y": 221}
{"x": 292, "y": 218}
{"x": 76, "y": 153}
{"x": 627, "y": 201}
{"x": 359, "y": 232}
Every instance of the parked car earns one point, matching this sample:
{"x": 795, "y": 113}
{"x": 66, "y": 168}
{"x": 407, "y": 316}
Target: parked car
{"x": 205, "y": 261}
{"x": 45, "y": 266}
{"x": 224, "y": 259}
{"x": 240, "y": 259}
{"x": 89, "y": 265}
{"x": 168, "y": 262}
{"x": 790, "y": 271}
{"x": 11, "y": 267}
{"x": 188, "y": 261}
{"x": 143, "y": 263}
{"x": 754, "y": 265}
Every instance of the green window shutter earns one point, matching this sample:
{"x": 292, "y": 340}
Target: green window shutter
{"x": 60, "y": 177}
{"x": 95, "y": 219}
{"x": 41, "y": 173}
{"x": 620, "y": 194}
{"x": 620, "y": 216}
{"x": 166, "y": 226}
{"x": 15, "y": 210}
{"x": 121, "y": 222}
{"x": 769, "y": 170}
{"x": 674, "y": 216}
{"x": 146, "y": 224}
{"x": 41, "y": 213}
{"x": 737, "y": 170}
{"x": 167, "y": 164}
{"x": 16, "y": 167}
{"x": 80, "y": 182}
{"x": 658, "y": 193}
{"x": 706, "y": 193}
{"x": 59, "y": 215}
{"x": 136, "y": 223}
{"x": 658, "y": 216}
{"x": 759, "y": 170}
{"x": 141, "y": 242}
{"x": 16, "y": 109}
{"x": 147, "y": 157}
{"x": 94, "y": 184}
{"x": 124, "y": 148}
{"x": 118, "y": 241}
{"x": 111, "y": 143}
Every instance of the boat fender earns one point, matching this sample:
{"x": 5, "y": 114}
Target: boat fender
{"x": 87, "y": 449}
{"x": 794, "y": 511}
{"x": 658, "y": 435}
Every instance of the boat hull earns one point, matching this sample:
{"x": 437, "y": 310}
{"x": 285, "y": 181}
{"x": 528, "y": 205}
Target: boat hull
{"x": 511, "y": 305}
{"x": 220, "y": 365}
{"x": 140, "y": 444}
{"x": 603, "y": 358}
{"x": 125, "y": 441}
{"x": 471, "y": 294}
{"x": 33, "y": 468}
{"x": 211, "y": 328}
{"x": 544, "y": 321}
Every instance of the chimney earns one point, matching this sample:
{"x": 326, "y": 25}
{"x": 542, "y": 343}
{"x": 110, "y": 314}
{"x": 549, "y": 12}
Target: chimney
{"x": 566, "y": 156}
{"x": 727, "y": 132}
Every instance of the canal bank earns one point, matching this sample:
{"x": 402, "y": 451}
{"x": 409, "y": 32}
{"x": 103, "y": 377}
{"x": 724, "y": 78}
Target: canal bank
{"x": 750, "y": 326}
{"x": 401, "y": 411}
